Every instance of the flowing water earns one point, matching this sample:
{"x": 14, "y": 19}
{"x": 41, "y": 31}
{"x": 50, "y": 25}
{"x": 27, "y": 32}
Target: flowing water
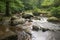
{"x": 48, "y": 35}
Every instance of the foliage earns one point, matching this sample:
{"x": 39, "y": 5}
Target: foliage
{"x": 23, "y": 5}
{"x": 56, "y": 3}
{"x": 2, "y": 7}
{"x": 36, "y": 12}
{"x": 47, "y": 3}
{"x": 56, "y": 12}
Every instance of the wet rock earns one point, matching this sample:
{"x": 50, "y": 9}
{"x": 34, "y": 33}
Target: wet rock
{"x": 22, "y": 35}
{"x": 20, "y": 21}
{"x": 28, "y": 31}
{"x": 5, "y": 21}
{"x": 29, "y": 34}
{"x": 15, "y": 21}
{"x": 35, "y": 28}
{"x": 44, "y": 29}
{"x": 23, "y": 32}
{"x": 13, "y": 37}
{"x": 36, "y": 18}
{"x": 27, "y": 16}
{"x": 36, "y": 13}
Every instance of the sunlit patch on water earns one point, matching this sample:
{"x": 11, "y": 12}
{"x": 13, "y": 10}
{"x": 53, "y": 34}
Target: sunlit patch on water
{"x": 48, "y": 35}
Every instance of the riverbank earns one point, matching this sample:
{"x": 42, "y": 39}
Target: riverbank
{"x": 14, "y": 26}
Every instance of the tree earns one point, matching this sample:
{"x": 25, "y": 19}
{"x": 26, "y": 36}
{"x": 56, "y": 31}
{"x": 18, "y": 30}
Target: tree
{"x": 56, "y": 3}
{"x": 10, "y": 5}
{"x": 2, "y": 6}
{"x": 7, "y": 8}
{"x": 47, "y": 3}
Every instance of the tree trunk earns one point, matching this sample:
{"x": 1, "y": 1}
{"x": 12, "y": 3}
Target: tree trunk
{"x": 7, "y": 9}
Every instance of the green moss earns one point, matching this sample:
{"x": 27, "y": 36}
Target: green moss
{"x": 37, "y": 18}
{"x": 53, "y": 19}
{"x": 49, "y": 15}
{"x": 36, "y": 13}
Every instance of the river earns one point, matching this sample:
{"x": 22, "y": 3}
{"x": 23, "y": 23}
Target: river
{"x": 48, "y": 35}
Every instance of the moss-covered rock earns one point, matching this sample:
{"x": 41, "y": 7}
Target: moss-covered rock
{"x": 36, "y": 18}
{"x": 36, "y": 13}
{"x": 27, "y": 16}
{"x": 53, "y": 19}
{"x": 16, "y": 21}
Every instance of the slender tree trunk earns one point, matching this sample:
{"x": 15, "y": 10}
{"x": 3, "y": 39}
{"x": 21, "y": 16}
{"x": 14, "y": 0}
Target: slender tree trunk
{"x": 7, "y": 9}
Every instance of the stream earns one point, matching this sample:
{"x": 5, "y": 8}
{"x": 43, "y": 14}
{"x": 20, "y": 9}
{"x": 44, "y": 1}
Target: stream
{"x": 48, "y": 35}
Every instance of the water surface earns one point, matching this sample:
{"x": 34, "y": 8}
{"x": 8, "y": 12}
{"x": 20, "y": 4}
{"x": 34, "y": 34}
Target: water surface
{"x": 48, "y": 35}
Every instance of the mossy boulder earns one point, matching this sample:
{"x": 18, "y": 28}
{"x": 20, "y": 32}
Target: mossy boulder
{"x": 14, "y": 22}
{"x": 53, "y": 19}
{"x": 27, "y": 16}
{"x": 37, "y": 18}
{"x": 36, "y": 13}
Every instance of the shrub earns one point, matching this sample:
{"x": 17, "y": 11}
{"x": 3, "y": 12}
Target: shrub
{"x": 56, "y": 12}
{"x": 49, "y": 15}
{"x": 36, "y": 12}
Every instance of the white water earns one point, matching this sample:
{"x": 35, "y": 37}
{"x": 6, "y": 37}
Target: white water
{"x": 48, "y": 35}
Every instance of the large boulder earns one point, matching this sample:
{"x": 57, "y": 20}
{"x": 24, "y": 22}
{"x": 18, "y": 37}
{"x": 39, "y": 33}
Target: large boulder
{"x": 53, "y": 19}
{"x": 15, "y": 21}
